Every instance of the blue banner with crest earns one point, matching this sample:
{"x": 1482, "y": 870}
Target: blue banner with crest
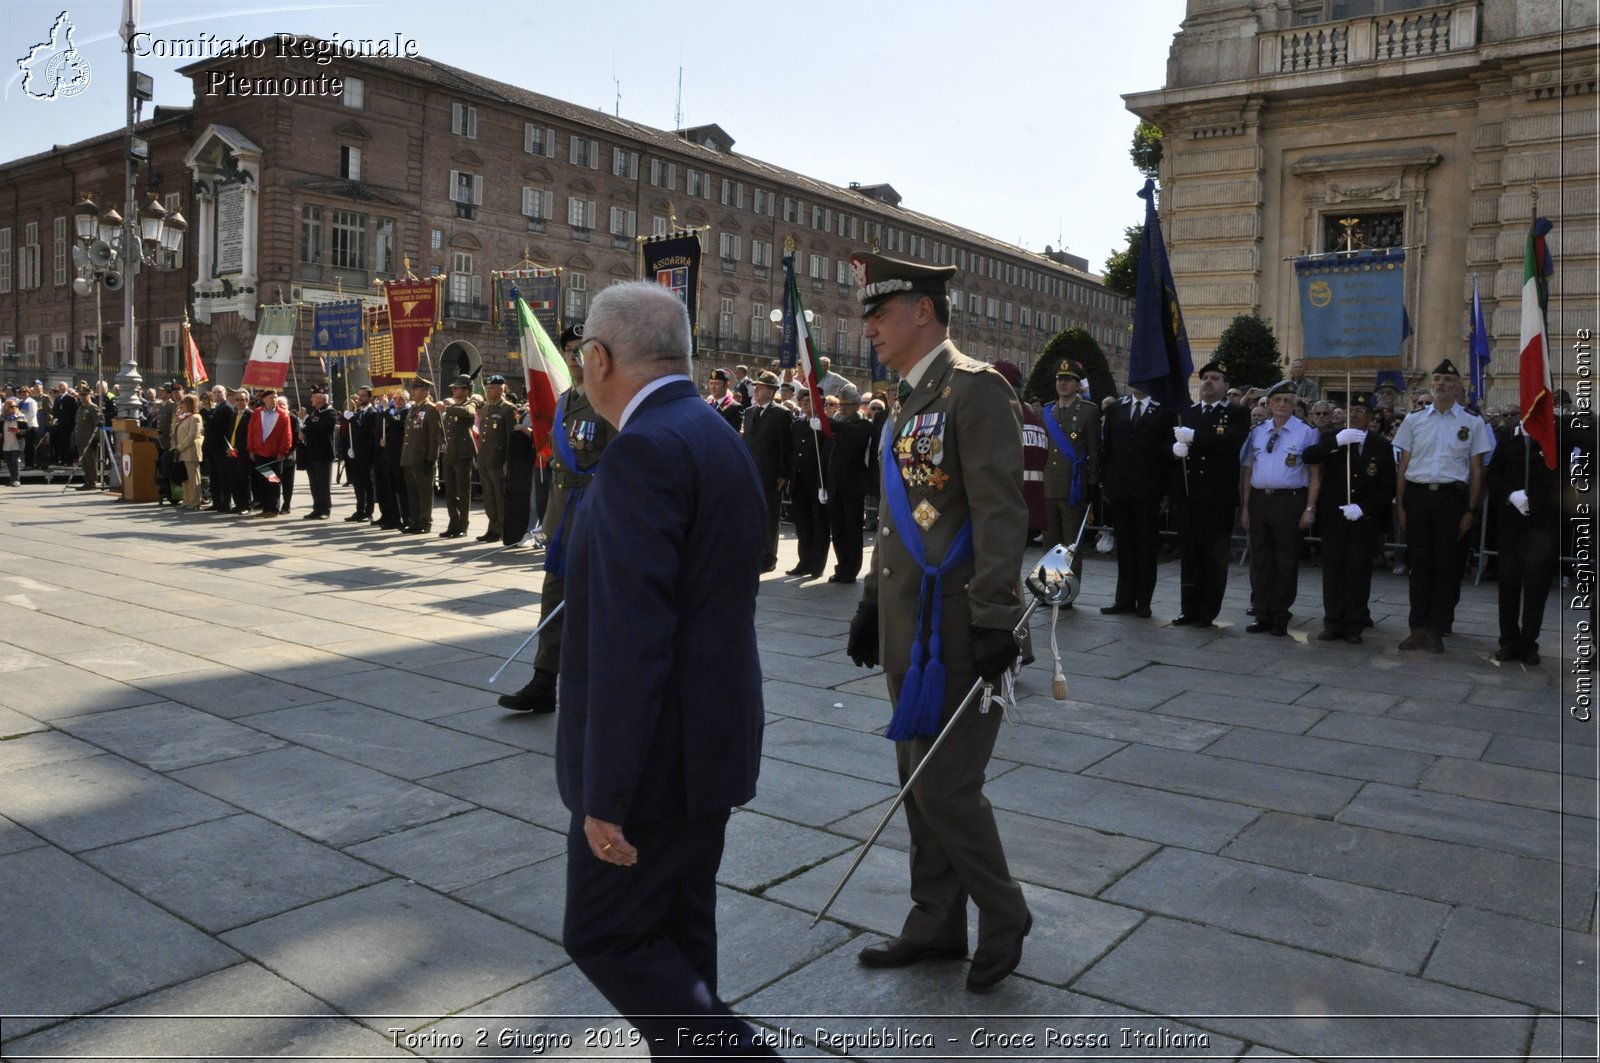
{"x": 1352, "y": 309}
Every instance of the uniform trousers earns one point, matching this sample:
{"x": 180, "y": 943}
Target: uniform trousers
{"x": 458, "y": 492}
{"x": 846, "y": 512}
{"x": 810, "y": 525}
{"x": 1136, "y": 523}
{"x": 646, "y": 935}
{"x": 494, "y": 496}
{"x": 1434, "y": 545}
{"x": 1207, "y": 543}
{"x": 1348, "y": 548}
{"x": 389, "y": 489}
{"x": 359, "y": 471}
{"x": 1275, "y": 538}
{"x": 956, "y": 852}
{"x": 1062, "y": 521}
{"x": 419, "y": 495}
{"x": 1527, "y": 570}
{"x": 547, "y": 658}
{"x": 319, "y": 474}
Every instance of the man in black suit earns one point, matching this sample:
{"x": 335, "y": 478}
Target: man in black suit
{"x": 766, "y": 433}
{"x": 317, "y": 434}
{"x": 1352, "y": 512}
{"x": 852, "y": 472}
{"x": 1527, "y": 493}
{"x": 1134, "y": 457}
{"x": 218, "y": 423}
{"x": 811, "y": 451}
{"x": 241, "y": 470}
{"x": 1206, "y": 488}
{"x": 652, "y": 757}
{"x": 358, "y": 454}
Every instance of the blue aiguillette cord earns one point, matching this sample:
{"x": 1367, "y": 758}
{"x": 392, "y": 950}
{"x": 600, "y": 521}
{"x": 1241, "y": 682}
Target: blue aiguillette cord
{"x": 921, "y": 701}
{"x": 555, "y": 553}
{"x": 1070, "y": 452}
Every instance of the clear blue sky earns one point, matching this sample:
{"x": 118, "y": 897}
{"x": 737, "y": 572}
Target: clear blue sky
{"x": 1004, "y": 117}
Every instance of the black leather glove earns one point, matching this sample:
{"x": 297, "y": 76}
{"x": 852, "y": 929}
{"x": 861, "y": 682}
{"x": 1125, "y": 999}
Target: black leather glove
{"x": 993, "y": 651}
{"x": 863, "y": 644}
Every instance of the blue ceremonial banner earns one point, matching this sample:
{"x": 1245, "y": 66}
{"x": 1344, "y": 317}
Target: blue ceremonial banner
{"x": 1352, "y": 309}
{"x": 1159, "y": 363}
{"x": 336, "y": 327}
{"x": 673, "y": 261}
{"x": 540, "y": 289}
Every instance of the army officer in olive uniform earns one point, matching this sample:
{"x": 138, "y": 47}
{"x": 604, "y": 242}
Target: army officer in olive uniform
{"x": 497, "y": 423}
{"x": 1072, "y": 425}
{"x": 576, "y": 440}
{"x": 459, "y": 418}
{"x": 952, "y": 497}
{"x": 418, "y": 455}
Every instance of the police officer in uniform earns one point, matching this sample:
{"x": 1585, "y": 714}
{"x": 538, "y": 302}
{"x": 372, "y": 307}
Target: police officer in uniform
{"x": 1437, "y": 487}
{"x": 952, "y": 497}
{"x": 418, "y": 454}
{"x": 1072, "y": 425}
{"x": 321, "y": 425}
{"x": 460, "y": 417}
{"x": 497, "y": 422}
{"x": 577, "y": 439}
{"x": 1280, "y": 492}
{"x": 1352, "y": 511}
{"x": 1206, "y": 443}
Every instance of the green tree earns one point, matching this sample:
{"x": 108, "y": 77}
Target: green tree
{"x": 1076, "y": 345}
{"x": 1249, "y": 351}
{"x": 1122, "y": 267}
{"x": 1146, "y": 150}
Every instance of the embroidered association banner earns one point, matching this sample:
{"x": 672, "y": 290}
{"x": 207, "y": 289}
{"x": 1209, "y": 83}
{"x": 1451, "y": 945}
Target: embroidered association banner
{"x": 674, "y": 262}
{"x": 1352, "y": 309}
{"x": 413, "y": 315}
{"x": 268, "y": 366}
{"x": 540, "y": 289}
{"x": 336, "y": 328}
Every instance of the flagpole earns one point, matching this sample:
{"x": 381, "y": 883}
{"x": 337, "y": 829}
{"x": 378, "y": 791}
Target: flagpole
{"x": 1349, "y": 452}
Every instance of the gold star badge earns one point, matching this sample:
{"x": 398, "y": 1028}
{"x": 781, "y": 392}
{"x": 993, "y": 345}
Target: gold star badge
{"x": 925, "y": 515}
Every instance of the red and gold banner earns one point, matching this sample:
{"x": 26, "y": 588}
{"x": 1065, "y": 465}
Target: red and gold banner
{"x": 413, "y": 315}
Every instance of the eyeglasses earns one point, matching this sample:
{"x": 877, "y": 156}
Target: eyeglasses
{"x": 583, "y": 347}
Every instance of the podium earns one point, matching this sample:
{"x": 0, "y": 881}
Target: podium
{"x": 138, "y": 455}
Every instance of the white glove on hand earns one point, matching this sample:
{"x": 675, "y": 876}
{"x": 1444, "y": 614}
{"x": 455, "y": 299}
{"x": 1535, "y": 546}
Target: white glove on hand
{"x": 350, "y": 453}
{"x": 1351, "y": 512}
{"x": 1520, "y": 500}
{"x": 1183, "y": 435}
{"x": 1347, "y": 436}
{"x": 349, "y": 415}
{"x": 816, "y": 424}
{"x": 1180, "y": 450}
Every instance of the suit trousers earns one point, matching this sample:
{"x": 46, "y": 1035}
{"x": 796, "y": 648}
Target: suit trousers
{"x": 286, "y": 469}
{"x": 268, "y": 494}
{"x": 319, "y": 474}
{"x": 1275, "y": 538}
{"x": 810, "y": 525}
{"x": 458, "y": 492}
{"x": 1136, "y": 523}
{"x": 1061, "y": 523}
{"x": 1434, "y": 549}
{"x": 956, "y": 852}
{"x": 1348, "y": 547}
{"x": 1207, "y": 547}
{"x": 359, "y": 470}
{"x": 547, "y": 658}
{"x": 240, "y": 480}
{"x": 419, "y": 495}
{"x": 1527, "y": 572}
{"x": 774, "y": 509}
{"x": 389, "y": 490}
{"x": 846, "y": 513}
{"x": 494, "y": 496}
{"x": 646, "y": 935}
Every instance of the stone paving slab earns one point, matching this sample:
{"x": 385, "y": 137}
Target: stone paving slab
{"x": 533, "y": 732}
{"x": 1333, "y": 696}
{"x": 13, "y": 839}
{"x": 324, "y": 798}
{"x": 71, "y": 692}
{"x": 75, "y": 941}
{"x": 813, "y": 797}
{"x": 388, "y": 742}
{"x": 1517, "y": 960}
{"x": 1356, "y": 922}
{"x": 1437, "y": 739}
{"x": 1540, "y": 755}
{"x": 761, "y": 850}
{"x": 228, "y": 693}
{"x": 1047, "y": 747}
{"x": 1500, "y": 721}
{"x": 1523, "y": 831}
{"x": 346, "y": 951}
{"x": 1511, "y": 786}
{"x": 863, "y": 712}
{"x": 559, "y": 1015}
{"x": 1201, "y": 775}
{"x": 1119, "y": 724}
{"x": 38, "y": 748}
{"x": 1234, "y": 711}
{"x": 531, "y": 897}
{"x": 452, "y": 853}
{"x": 522, "y": 786}
{"x": 836, "y": 749}
{"x": 13, "y": 723}
{"x": 1326, "y": 755}
{"x": 1563, "y": 1038}
{"x": 167, "y": 736}
{"x": 1198, "y": 971}
{"x": 94, "y": 801}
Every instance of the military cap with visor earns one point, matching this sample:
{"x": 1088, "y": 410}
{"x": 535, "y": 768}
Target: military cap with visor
{"x": 878, "y": 279}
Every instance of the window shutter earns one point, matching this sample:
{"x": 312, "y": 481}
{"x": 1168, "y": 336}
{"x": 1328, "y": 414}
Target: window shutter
{"x": 455, "y": 182}
{"x": 477, "y": 190}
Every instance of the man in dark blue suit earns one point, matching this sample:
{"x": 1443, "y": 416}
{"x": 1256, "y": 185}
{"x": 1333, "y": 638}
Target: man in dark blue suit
{"x": 659, "y": 735}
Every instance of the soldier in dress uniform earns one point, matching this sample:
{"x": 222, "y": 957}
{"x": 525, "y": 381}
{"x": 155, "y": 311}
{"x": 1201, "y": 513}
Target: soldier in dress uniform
{"x": 460, "y": 416}
{"x": 1206, "y": 486}
{"x": 1437, "y": 488}
{"x": 165, "y": 411}
{"x": 318, "y": 432}
{"x": 86, "y": 437}
{"x": 577, "y": 438}
{"x": 418, "y": 455}
{"x": 497, "y": 422}
{"x": 766, "y": 433}
{"x": 1279, "y": 499}
{"x": 1353, "y": 512}
{"x": 953, "y": 528}
{"x": 852, "y": 465}
{"x": 1072, "y": 473}
{"x": 725, "y": 401}
{"x": 811, "y": 450}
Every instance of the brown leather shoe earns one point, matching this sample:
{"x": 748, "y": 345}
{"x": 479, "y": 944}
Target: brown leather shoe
{"x": 898, "y": 952}
{"x": 1417, "y": 640}
{"x": 989, "y": 971}
{"x": 1435, "y": 643}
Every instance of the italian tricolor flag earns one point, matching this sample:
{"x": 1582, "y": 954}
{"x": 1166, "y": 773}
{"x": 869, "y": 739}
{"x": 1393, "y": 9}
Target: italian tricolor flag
{"x": 1538, "y": 396}
{"x": 805, "y": 355}
{"x": 547, "y": 374}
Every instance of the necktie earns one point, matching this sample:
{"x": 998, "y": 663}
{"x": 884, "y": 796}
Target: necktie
{"x": 904, "y": 391}
{"x": 1138, "y": 412}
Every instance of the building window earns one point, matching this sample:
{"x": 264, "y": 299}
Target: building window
{"x": 58, "y": 350}
{"x": 582, "y": 151}
{"x": 466, "y": 192}
{"x": 699, "y": 183}
{"x": 311, "y": 234}
{"x": 577, "y": 296}
{"x": 59, "y": 251}
{"x": 167, "y": 353}
{"x": 349, "y": 163}
{"x": 624, "y": 222}
{"x": 580, "y": 213}
{"x": 464, "y": 120}
{"x": 537, "y": 203}
{"x": 993, "y": 308}
{"x": 658, "y": 225}
{"x": 729, "y": 247}
{"x": 349, "y": 240}
{"x": 538, "y": 140}
{"x": 725, "y": 319}
{"x": 821, "y": 217}
{"x": 792, "y": 209}
{"x": 624, "y": 163}
{"x": 436, "y": 241}
{"x": 466, "y": 287}
{"x": 383, "y": 247}
{"x": 28, "y": 258}
{"x": 758, "y": 323}
{"x": 1373, "y": 229}
{"x": 732, "y": 193}
{"x": 762, "y": 203}
{"x": 841, "y": 341}
{"x": 354, "y": 95}
{"x": 664, "y": 174}
{"x": 819, "y": 267}
{"x": 761, "y": 253}
{"x": 843, "y": 276}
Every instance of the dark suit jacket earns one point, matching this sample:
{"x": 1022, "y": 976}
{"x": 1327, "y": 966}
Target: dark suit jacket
{"x": 1213, "y": 466}
{"x": 809, "y": 470}
{"x": 1371, "y": 477}
{"x": 318, "y": 433}
{"x": 219, "y": 423}
{"x": 853, "y": 465}
{"x": 661, "y": 710}
{"x": 766, "y": 433}
{"x": 1136, "y": 460}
